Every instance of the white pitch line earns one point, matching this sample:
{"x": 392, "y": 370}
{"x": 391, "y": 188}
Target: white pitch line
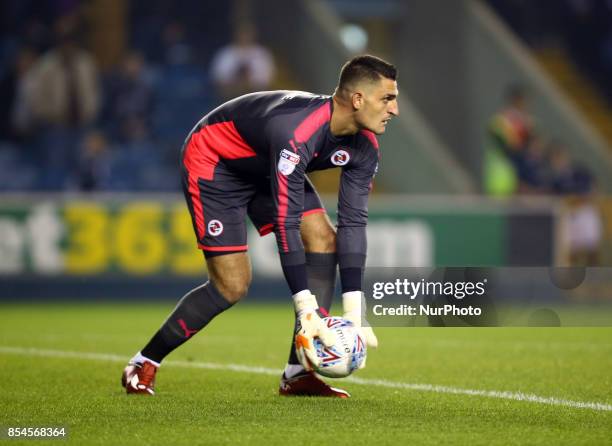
{"x": 515, "y": 396}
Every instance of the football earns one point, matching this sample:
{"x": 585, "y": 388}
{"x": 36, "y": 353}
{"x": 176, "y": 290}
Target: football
{"x": 346, "y": 355}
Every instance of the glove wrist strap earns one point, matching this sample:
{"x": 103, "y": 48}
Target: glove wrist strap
{"x": 304, "y": 300}
{"x": 351, "y": 302}
{"x": 352, "y": 305}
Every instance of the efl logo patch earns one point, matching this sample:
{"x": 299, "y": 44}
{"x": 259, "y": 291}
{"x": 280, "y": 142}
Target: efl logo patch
{"x": 287, "y": 162}
{"x": 215, "y": 228}
{"x": 340, "y": 158}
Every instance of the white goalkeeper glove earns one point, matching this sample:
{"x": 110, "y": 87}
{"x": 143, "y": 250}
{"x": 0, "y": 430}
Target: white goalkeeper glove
{"x": 309, "y": 326}
{"x": 354, "y": 307}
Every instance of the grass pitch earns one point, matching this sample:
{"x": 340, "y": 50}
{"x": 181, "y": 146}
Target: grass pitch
{"x": 61, "y": 364}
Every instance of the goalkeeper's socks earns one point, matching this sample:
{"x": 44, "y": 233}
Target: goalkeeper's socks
{"x": 193, "y": 312}
{"x": 321, "y": 269}
{"x": 139, "y": 359}
{"x": 292, "y": 370}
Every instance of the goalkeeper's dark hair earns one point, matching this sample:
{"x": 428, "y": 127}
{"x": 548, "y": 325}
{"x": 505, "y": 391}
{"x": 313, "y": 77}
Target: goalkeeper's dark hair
{"x": 366, "y": 67}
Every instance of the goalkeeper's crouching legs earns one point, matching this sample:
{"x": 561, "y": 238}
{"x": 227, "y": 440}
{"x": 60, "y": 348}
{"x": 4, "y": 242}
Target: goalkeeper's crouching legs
{"x": 230, "y": 277}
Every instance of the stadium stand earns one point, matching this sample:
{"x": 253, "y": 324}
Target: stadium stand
{"x": 149, "y": 98}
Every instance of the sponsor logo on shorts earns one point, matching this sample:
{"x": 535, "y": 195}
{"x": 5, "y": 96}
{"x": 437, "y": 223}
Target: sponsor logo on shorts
{"x": 340, "y": 158}
{"x": 215, "y": 228}
{"x": 287, "y": 162}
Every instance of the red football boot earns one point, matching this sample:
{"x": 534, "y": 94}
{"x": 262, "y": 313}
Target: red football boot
{"x": 308, "y": 384}
{"x": 139, "y": 378}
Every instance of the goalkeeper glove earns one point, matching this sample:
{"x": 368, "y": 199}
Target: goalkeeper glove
{"x": 354, "y": 307}
{"x": 309, "y": 326}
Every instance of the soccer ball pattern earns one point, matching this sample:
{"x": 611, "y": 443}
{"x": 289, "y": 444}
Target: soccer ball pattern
{"x": 346, "y": 355}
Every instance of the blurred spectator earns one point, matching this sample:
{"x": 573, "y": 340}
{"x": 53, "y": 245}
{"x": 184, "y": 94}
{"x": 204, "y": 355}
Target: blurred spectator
{"x": 57, "y": 97}
{"x": 95, "y": 162}
{"x": 532, "y": 168}
{"x": 243, "y": 66}
{"x": 510, "y": 131}
{"x": 65, "y": 101}
{"x": 129, "y": 93}
{"x": 177, "y": 49}
{"x": 518, "y": 160}
{"x": 66, "y": 82}
{"x": 512, "y": 127}
{"x": 16, "y": 96}
{"x": 136, "y": 135}
{"x": 137, "y": 160}
{"x": 585, "y": 228}
{"x": 585, "y": 233}
{"x": 562, "y": 180}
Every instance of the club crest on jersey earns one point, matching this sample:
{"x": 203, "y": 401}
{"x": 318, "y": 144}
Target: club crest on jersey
{"x": 287, "y": 162}
{"x": 340, "y": 158}
{"x": 215, "y": 228}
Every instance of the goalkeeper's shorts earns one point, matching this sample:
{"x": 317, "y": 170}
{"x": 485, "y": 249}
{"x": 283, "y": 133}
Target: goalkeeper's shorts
{"x": 219, "y": 208}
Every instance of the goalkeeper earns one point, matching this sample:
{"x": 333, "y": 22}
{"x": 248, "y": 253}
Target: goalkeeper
{"x": 250, "y": 156}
